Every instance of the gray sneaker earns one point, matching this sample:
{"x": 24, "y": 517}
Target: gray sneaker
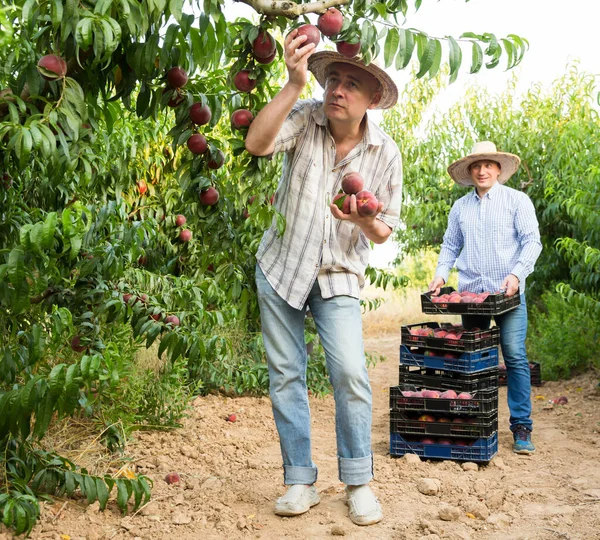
{"x": 363, "y": 506}
{"x": 297, "y": 500}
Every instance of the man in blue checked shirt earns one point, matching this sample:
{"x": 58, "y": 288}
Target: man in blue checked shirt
{"x": 493, "y": 237}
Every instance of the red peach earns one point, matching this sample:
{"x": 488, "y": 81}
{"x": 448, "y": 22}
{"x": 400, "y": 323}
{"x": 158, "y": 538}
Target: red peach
{"x": 243, "y": 82}
{"x": 177, "y": 77}
{"x": 185, "y": 235}
{"x": 264, "y": 45}
{"x": 330, "y": 23}
{"x": 180, "y": 220}
{"x": 241, "y": 118}
{"x": 172, "y": 319}
{"x": 232, "y": 417}
{"x": 52, "y": 67}
{"x": 448, "y": 394}
{"x": 464, "y": 395}
{"x": 172, "y": 478}
{"x": 200, "y": 114}
{"x": 349, "y": 50}
{"x": 352, "y": 183}
{"x": 366, "y": 203}
{"x": 217, "y": 161}
{"x": 312, "y": 34}
{"x": 209, "y": 196}
{"x": 197, "y": 144}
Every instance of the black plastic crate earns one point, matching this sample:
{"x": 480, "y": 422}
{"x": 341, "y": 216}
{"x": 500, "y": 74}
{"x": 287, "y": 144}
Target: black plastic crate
{"x": 535, "y": 371}
{"x": 494, "y": 304}
{"x": 442, "y": 379}
{"x": 483, "y": 449}
{"x": 482, "y": 402}
{"x": 469, "y": 341}
{"x": 462, "y": 362}
{"x": 439, "y": 425}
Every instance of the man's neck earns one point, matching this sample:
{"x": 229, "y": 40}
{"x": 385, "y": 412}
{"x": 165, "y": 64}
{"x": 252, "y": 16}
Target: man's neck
{"x": 347, "y": 133}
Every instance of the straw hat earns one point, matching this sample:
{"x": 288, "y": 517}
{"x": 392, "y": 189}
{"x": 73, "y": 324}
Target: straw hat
{"x": 485, "y": 150}
{"x": 319, "y": 62}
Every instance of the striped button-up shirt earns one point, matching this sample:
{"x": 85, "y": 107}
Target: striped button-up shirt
{"x": 314, "y": 244}
{"x": 490, "y": 237}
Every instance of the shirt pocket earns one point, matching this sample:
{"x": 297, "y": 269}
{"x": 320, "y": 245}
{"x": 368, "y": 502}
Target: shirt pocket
{"x": 503, "y": 228}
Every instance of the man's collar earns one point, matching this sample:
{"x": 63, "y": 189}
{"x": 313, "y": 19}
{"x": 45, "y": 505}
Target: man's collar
{"x": 491, "y": 193}
{"x": 371, "y": 135}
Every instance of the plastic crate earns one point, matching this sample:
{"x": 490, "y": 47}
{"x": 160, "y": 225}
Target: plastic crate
{"x": 494, "y": 304}
{"x": 535, "y": 372}
{"x": 408, "y": 423}
{"x": 483, "y": 402}
{"x": 441, "y": 379}
{"x": 468, "y": 342}
{"x": 465, "y": 363}
{"x": 482, "y": 449}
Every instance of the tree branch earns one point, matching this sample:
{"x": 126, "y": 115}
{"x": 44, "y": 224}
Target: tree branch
{"x": 290, "y": 9}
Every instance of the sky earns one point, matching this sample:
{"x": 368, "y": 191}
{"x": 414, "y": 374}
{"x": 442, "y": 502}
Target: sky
{"x": 558, "y": 32}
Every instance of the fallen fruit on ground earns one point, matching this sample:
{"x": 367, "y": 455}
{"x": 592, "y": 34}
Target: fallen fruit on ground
{"x": 232, "y": 417}
{"x": 172, "y": 478}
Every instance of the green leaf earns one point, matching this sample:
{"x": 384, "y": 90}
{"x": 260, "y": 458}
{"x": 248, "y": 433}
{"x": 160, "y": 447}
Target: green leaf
{"x": 122, "y": 495}
{"x": 391, "y": 46}
{"x": 437, "y": 59}
{"x": 406, "y": 46}
{"x": 90, "y": 488}
{"x": 427, "y": 57}
{"x": 454, "y": 58}
{"x": 102, "y": 493}
{"x": 56, "y": 13}
{"x": 16, "y": 265}
{"x": 49, "y": 229}
{"x": 477, "y": 58}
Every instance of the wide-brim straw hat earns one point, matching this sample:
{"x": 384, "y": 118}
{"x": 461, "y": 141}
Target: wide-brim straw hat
{"x": 319, "y": 62}
{"x": 485, "y": 150}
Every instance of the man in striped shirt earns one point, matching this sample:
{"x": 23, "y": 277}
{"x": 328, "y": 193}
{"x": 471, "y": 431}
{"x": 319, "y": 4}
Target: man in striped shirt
{"x": 493, "y": 236}
{"x": 319, "y": 260}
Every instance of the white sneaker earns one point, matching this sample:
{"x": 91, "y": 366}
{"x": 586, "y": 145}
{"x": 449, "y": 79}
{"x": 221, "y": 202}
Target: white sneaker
{"x": 363, "y": 506}
{"x": 297, "y": 500}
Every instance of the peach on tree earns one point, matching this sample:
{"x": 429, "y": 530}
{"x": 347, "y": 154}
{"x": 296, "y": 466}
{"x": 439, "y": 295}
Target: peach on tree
{"x": 177, "y": 77}
{"x": 216, "y": 161}
{"x": 330, "y": 23}
{"x": 172, "y": 320}
{"x": 241, "y": 118}
{"x": 264, "y": 45}
{"x": 52, "y": 67}
{"x": 185, "y": 235}
{"x": 197, "y": 144}
{"x": 267, "y": 59}
{"x": 180, "y": 220}
{"x": 349, "y": 50}
{"x": 243, "y": 82}
{"x": 209, "y": 196}
{"x": 312, "y": 34}
{"x": 200, "y": 114}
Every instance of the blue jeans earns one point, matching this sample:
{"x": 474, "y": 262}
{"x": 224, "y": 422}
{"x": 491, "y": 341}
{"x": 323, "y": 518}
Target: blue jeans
{"x": 513, "y": 331}
{"x": 339, "y": 325}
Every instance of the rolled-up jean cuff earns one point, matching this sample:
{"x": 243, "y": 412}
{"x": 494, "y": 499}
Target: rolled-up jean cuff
{"x": 355, "y": 471}
{"x": 299, "y": 475}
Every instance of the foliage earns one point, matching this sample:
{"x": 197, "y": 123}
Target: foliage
{"x": 562, "y": 338}
{"x": 94, "y": 169}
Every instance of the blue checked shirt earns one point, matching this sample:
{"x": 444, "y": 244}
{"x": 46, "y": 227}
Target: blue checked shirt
{"x": 490, "y": 238}
{"x": 315, "y": 245}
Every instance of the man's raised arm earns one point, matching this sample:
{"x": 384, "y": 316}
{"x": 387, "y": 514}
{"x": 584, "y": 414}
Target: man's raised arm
{"x": 260, "y": 139}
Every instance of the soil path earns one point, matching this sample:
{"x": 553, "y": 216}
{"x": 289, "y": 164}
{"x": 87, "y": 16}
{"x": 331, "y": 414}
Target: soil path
{"x": 231, "y": 475}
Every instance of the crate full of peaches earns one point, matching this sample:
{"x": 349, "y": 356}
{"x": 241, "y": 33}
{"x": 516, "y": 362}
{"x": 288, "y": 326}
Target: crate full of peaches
{"x": 450, "y": 301}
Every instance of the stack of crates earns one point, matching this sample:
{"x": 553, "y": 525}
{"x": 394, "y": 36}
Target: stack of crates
{"x": 446, "y": 403}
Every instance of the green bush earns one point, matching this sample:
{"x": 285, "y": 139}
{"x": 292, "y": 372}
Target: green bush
{"x": 562, "y": 338}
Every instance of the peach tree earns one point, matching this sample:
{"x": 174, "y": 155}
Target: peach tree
{"x": 130, "y": 209}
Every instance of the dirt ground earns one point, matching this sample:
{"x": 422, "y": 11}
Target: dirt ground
{"x": 231, "y": 475}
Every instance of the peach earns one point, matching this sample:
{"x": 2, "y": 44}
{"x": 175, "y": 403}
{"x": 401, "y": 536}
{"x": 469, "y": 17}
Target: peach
{"x": 444, "y": 441}
{"x": 197, "y": 144}
{"x": 352, "y": 183}
{"x": 185, "y": 235}
{"x": 142, "y": 187}
{"x": 426, "y": 418}
{"x": 177, "y": 77}
{"x": 444, "y": 419}
{"x": 243, "y": 82}
{"x": 180, "y": 220}
{"x": 431, "y": 394}
{"x": 349, "y": 50}
{"x": 52, "y": 67}
{"x": 241, "y": 118}
{"x": 427, "y": 440}
{"x": 330, "y": 23}
{"x": 76, "y": 344}
{"x": 312, "y": 34}
{"x": 217, "y": 161}
{"x": 366, "y": 203}
{"x": 448, "y": 394}
{"x": 172, "y": 478}
{"x": 172, "y": 319}
{"x": 268, "y": 59}
{"x": 264, "y": 45}
{"x": 458, "y": 420}
{"x": 464, "y": 395}
{"x": 209, "y": 196}
{"x": 231, "y": 418}
{"x": 200, "y": 114}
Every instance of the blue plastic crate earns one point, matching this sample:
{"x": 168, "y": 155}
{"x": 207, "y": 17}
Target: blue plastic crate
{"x": 481, "y": 450}
{"x": 465, "y": 363}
